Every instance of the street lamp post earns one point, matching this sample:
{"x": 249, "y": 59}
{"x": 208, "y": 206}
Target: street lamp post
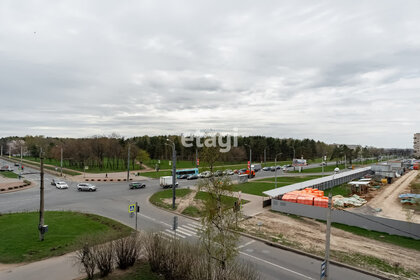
{"x": 275, "y": 165}
{"x": 173, "y": 171}
{"x": 61, "y": 162}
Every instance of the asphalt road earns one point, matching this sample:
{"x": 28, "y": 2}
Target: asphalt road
{"x": 112, "y": 200}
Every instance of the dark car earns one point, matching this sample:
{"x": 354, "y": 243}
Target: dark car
{"x": 137, "y": 185}
{"x": 192, "y": 177}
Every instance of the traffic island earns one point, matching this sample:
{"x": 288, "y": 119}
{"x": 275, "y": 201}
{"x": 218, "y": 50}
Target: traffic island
{"x": 15, "y": 186}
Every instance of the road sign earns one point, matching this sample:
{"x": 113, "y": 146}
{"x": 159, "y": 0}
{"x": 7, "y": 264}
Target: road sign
{"x": 86, "y": 167}
{"x": 131, "y": 208}
{"x": 323, "y": 270}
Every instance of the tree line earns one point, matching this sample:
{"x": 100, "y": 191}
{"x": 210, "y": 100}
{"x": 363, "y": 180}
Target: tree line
{"x": 111, "y": 151}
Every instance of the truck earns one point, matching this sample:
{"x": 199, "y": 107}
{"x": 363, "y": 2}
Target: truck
{"x": 257, "y": 167}
{"x": 166, "y": 182}
{"x": 252, "y": 173}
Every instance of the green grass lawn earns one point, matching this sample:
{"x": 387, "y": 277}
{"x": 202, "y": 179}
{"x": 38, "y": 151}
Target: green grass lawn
{"x": 257, "y": 188}
{"x": 290, "y": 180}
{"x": 92, "y": 169}
{"x": 35, "y": 161}
{"x": 164, "y": 164}
{"x": 343, "y": 190}
{"x": 402, "y": 241}
{"x": 9, "y": 174}
{"x": 227, "y": 201}
{"x": 20, "y": 236}
{"x": 154, "y": 174}
{"x": 157, "y": 198}
{"x": 329, "y": 168}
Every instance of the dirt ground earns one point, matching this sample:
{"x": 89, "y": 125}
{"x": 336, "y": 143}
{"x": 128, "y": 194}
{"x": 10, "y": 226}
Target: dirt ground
{"x": 387, "y": 200}
{"x": 309, "y": 235}
{"x": 186, "y": 201}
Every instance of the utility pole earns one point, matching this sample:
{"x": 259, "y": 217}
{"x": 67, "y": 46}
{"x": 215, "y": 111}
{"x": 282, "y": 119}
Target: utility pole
{"x": 128, "y": 163}
{"x": 137, "y": 208}
{"x": 275, "y": 165}
{"x": 20, "y": 167}
{"x": 41, "y": 205}
{"x": 327, "y": 238}
{"x": 61, "y": 163}
{"x": 173, "y": 173}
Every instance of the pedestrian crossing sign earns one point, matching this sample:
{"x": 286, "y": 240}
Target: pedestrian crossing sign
{"x": 131, "y": 208}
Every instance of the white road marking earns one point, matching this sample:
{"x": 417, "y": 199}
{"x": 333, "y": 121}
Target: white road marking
{"x": 195, "y": 226}
{"x": 190, "y": 228}
{"x": 278, "y": 266}
{"x": 153, "y": 219}
{"x": 183, "y": 232}
{"x": 178, "y": 234}
{"x": 169, "y": 234}
{"x": 187, "y": 230}
{"x": 246, "y": 244}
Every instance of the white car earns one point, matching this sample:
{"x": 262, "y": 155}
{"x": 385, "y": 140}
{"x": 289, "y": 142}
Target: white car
{"x": 229, "y": 172}
{"x": 61, "y": 185}
{"x": 86, "y": 187}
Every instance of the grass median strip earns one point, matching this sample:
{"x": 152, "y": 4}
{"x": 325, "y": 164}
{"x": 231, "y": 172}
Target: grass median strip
{"x": 257, "y": 188}
{"x": 159, "y": 197}
{"x": 20, "y": 236}
{"x": 9, "y": 174}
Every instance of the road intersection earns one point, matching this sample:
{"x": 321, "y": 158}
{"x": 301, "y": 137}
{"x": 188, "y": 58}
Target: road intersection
{"x": 112, "y": 199}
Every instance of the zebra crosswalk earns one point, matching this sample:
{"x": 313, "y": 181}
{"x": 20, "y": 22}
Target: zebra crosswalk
{"x": 183, "y": 231}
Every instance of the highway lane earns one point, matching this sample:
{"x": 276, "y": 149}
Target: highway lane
{"x": 112, "y": 200}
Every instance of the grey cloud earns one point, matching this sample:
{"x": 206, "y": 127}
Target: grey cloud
{"x": 282, "y": 69}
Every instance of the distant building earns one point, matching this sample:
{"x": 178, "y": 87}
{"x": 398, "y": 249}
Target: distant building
{"x": 417, "y": 145}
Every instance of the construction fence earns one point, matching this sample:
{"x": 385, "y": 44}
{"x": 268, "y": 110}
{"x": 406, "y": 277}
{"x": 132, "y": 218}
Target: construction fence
{"x": 369, "y": 222}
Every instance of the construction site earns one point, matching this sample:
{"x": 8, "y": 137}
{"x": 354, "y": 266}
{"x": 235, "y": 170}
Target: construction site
{"x": 381, "y": 202}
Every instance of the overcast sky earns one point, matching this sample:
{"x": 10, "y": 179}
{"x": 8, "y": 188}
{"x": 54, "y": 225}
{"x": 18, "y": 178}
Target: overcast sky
{"x": 336, "y": 71}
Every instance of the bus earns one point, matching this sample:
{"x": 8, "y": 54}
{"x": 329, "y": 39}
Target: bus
{"x": 190, "y": 171}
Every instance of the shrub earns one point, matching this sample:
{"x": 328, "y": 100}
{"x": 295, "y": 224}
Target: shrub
{"x": 127, "y": 251}
{"x": 85, "y": 257}
{"x": 184, "y": 261}
{"x": 104, "y": 258}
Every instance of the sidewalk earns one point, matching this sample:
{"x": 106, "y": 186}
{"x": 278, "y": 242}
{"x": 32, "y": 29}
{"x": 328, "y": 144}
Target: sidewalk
{"x": 254, "y": 206}
{"x": 61, "y": 267}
